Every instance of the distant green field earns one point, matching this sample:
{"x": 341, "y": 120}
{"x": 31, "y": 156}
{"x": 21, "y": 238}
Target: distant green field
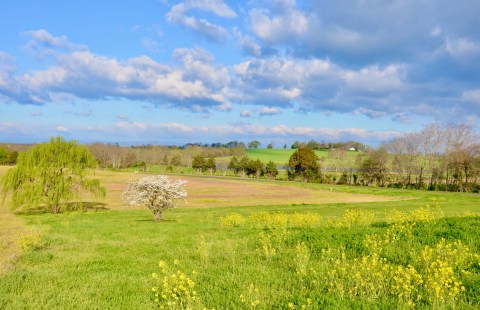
{"x": 278, "y": 156}
{"x": 281, "y": 156}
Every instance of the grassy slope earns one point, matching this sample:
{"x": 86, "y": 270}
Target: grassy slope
{"x": 11, "y": 228}
{"x": 102, "y": 260}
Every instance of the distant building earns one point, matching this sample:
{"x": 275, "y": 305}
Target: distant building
{"x": 352, "y": 149}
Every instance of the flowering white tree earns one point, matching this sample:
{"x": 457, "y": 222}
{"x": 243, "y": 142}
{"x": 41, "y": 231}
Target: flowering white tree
{"x": 155, "y": 192}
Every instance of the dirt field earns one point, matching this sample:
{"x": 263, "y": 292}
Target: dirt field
{"x": 205, "y": 192}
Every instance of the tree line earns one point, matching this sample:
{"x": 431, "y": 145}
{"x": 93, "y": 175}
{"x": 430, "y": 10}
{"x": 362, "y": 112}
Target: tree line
{"x": 438, "y": 157}
{"x": 441, "y": 157}
{"x": 118, "y": 157}
{"x": 8, "y": 157}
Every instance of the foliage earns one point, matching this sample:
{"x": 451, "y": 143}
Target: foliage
{"x": 199, "y": 162}
{"x": 439, "y": 157}
{"x": 246, "y": 166}
{"x": 374, "y": 167}
{"x": 52, "y": 175}
{"x": 211, "y": 165}
{"x": 254, "y": 144}
{"x": 156, "y": 192}
{"x": 304, "y": 163}
{"x": 12, "y": 158}
{"x": 3, "y": 155}
{"x": 271, "y": 170}
{"x": 233, "y": 165}
{"x": 6, "y": 157}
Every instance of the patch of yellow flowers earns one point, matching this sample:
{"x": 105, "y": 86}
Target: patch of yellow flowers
{"x": 272, "y": 220}
{"x": 33, "y": 238}
{"x": 272, "y": 241}
{"x": 251, "y": 297}
{"x": 434, "y": 280}
{"x": 432, "y": 277}
{"x": 355, "y": 218}
{"x": 424, "y": 214}
{"x": 173, "y": 288}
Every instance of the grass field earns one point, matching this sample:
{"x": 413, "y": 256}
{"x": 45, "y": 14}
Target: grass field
{"x": 278, "y": 156}
{"x": 11, "y": 228}
{"x": 252, "y": 245}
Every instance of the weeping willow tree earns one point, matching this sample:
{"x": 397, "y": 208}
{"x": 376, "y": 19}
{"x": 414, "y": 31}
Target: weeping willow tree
{"x": 52, "y": 175}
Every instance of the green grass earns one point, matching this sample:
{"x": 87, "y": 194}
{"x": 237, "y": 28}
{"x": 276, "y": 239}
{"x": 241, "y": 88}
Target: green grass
{"x": 278, "y": 156}
{"x": 11, "y": 228}
{"x": 104, "y": 259}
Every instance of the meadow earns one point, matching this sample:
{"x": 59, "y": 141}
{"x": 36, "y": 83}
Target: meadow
{"x": 279, "y": 156}
{"x": 248, "y": 244}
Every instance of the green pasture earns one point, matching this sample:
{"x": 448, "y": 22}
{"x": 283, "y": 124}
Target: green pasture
{"x": 104, "y": 258}
{"x": 279, "y": 156}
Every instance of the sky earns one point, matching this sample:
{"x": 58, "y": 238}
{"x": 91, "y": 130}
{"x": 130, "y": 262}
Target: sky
{"x": 204, "y": 71}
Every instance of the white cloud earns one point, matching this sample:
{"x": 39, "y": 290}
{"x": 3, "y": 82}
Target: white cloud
{"x": 217, "y": 7}
{"x": 288, "y": 25}
{"x": 472, "y": 96}
{"x": 247, "y": 130}
{"x": 436, "y": 31}
{"x": 202, "y": 26}
{"x": 150, "y": 44}
{"x": 43, "y": 43}
{"x": 43, "y": 36}
{"x": 321, "y": 85}
{"x": 61, "y": 128}
{"x": 195, "y": 82}
{"x": 461, "y": 47}
{"x": 270, "y": 111}
{"x": 245, "y": 113}
{"x": 226, "y": 107}
{"x": 248, "y": 44}
{"x": 374, "y": 78}
{"x": 362, "y": 32}
{"x": 198, "y": 64}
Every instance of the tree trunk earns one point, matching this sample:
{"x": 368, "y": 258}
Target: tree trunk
{"x": 55, "y": 208}
{"x": 157, "y": 215}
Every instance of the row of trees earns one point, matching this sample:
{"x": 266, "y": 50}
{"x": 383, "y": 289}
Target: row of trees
{"x": 316, "y": 145}
{"x": 252, "y": 167}
{"x": 438, "y": 157}
{"x": 444, "y": 157}
{"x": 117, "y": 157}
{"x": 8, "y": 157}
{"x": 202, "y": 164}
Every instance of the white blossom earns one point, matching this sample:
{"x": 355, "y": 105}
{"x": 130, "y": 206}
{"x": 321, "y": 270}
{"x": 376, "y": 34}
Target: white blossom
{"x": 155, "y": 192}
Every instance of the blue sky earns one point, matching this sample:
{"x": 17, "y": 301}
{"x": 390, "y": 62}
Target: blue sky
{"x": 173, "y": 72}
